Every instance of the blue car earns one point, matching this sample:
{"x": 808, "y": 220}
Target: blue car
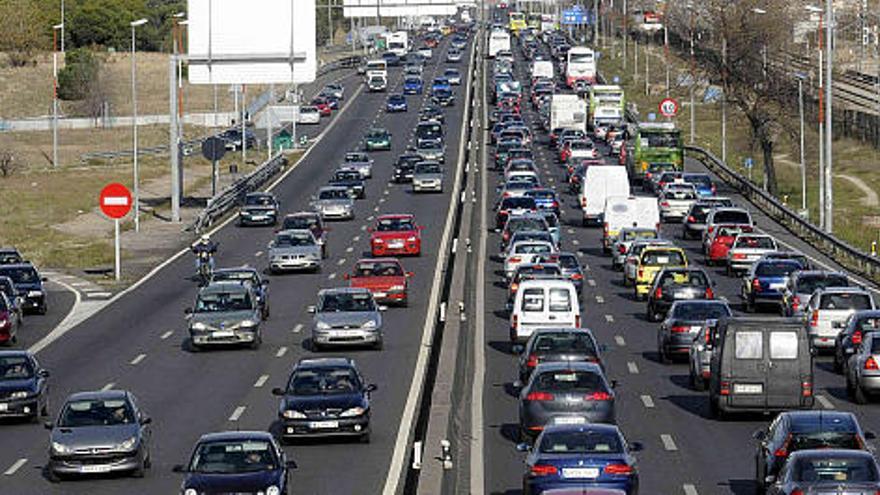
{"x": 237, "y": 462}
{"x": 29, "y": 284}
{"x": 396, "y": 103}
{"x": 578, "y": 457}
{"x": 412, "y": 86}
{"x": 766, "y": 282}
{"x": 440, "y": 84}
{"x": 702, "y": 182}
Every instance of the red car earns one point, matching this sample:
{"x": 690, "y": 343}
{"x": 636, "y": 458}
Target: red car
{"x": 323, "y": 106}
{"x": 385, "y": 278}
{"x": 396, "y": 235}
{"x": 720, "y": 244}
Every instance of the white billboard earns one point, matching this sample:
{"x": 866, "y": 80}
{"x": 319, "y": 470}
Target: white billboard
{"x": 247, "y": 42}
{"x": 398, "y": 8}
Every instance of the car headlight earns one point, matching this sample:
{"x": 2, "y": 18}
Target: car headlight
{"x": 3, "y": 322}
{"x": 322, "y": 325}
{"x": 272, "y": 490}
{"x": 291, "y": 414}
{"x": 411, "y": 239}
{"x": 369, "y": 324}
{"x": 248, "y": 323}
{"x": 21, "y": 394}
{"x": 199, "y": 326}
{"x": 60, "y": 448}
{"x": 34, "y": 293}
{"x": 354, "y": 411}
{"x": 397, "y": 287}
{"x": 190, "y": 491}
{"x": 128, "y": 444}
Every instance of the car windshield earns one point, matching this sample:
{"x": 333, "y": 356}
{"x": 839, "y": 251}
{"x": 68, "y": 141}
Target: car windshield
{"x": 569, "y": 381}
{"x": 532, "y": 248}
{"x": 377, "y": 134}
{"x": 755, "y": 242}
{"x": 21, "y": 275}
{"x": 517, "y": 224}
{"x": 219, "y": 302}
{"x": 346, "y": 175}
{"x": 661, "y": 140}
{"x": 660, "y": 167}
{"x": 258, "y": 201}
{"x": 395, "y": 224}
{"x": 700, "y": 311}
{"x": 699, "y": 180}
{"x": 9, "y": 258}
{"x": 333, "y": 194}
{"x": 234, "y": 456}
{"x": 294, "y": 239}
{"x": 96, "y": 412}
{"x": 663, "y": 257}
{"x": 868, "y": 324}
{"x": 565, "y": 343}
{"x": 15, "y": 368}
{"x": 428, "y": 168}
{"x": 568, "y": 261}
{"x": 296, "y": 223}
{"x": 581, "y": 442}
{"x": 378, "y": 269}
{"x": 344, "y": 302}
{"x": 518, "y": 203}
{"x": 837, "y": 469}
{"x": 430, "y": 146}
{"x": 689, "y": 278}
{"x": 678, "y": 192}
{"x": 732, "y": 216}
{"x": 809, "y": 284}
{"x": 845, "y": 301}
{"x": 825, "y": 440}
{"x": 631, "y": 235}
{"x": 321, "y": 381}
{"x": 221, "y": 275}
{"x": 7, "y": 286}
{"x": 356, "y": 157}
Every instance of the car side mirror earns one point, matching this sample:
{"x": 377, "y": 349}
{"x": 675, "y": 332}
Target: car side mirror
{"x": 372, "y": 387}
{"x": 636, "y": 446}
{"x": 187, "y": 311}
{"x": 49, "y": 425}
{"x": 179, "y": 468}
{"x": 44, "y": 279}
{"x": 869, "y": 435}
{"x": 523, "y": 447}
{"x": 759, "y": 435}
{"x": 312, "y": 309}
{"x": 43, "y": 373}
{"x": 518, "y": 384}
{"x": 291, "y": 465}
{"x": 383, "y": 308}
{"x": 278, "y": 391}
{"x": 614, "y": 383}
{"x": 146, "y": 420}
{"x": 410, "y": 274}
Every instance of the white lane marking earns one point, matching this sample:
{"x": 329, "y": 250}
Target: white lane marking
{"x": 107, "y": 387}
{"x": 138, "y": 359}
{"x": 298, "y": 328}
{"x": 668, "y": 442}
{"x": 258, "y": 254}
{"x": 370, "y": 218}
{"x": 575, "y": 242}
{"x": 632, "y": 367}
{"x": 81, "y": 284}
{"x": 600, "y": 299}
{"x": 356, "y": 238}
{"x": 690, "y": 489}
{"x": 349, "y": 249}
{"x": 341, "y": 262}
{"x": 381, "y": 200}
{"x": 261, "y": 381}
{"x": 98, "y": 295}
{"x": 825, "y": 402}
{"x": 609, "y": 318}
{"x": 618, "y": 339}
{"x": 15, "y": 467}
{"x": 386, "y": 192}
{"x": 166, "y": 334}
{"x": 363, "y": 227}
{"x": 237, "y": 413}
{"x": 331, "y": 276}
{"x": 281, "y": 351}
{"x": 581, "y": 254}
{"x": 570, "y": 231}
{"x": 647, "y": 401}
{"x": 591, "y": 282}
{"x": 376, "y": 209}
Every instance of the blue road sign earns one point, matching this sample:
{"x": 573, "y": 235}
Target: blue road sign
{"x": 652, "y": 117}
{"x": 749, "y": 163}
{"x": 575, "y": 16}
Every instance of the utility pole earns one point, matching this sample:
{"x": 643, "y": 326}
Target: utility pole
{"x": 595, "y": 22}
{"x": 724, "y": 99}
{"x": 819, "y": 47}
{"x": 174, "y": 139}
{"x": 693, "y": 77}
{"x": 666, "y": 43}
{"x": 62, "y": 26}
{"x": 647, "y": 64}
{"x": 55, "y": 93}
{"x": 829, "y": 176}
{"x": 800, "y": 78}
{"x": 134, "y": 122}
{"x": 625, "y": 35}
{"x": 329, "y": 24}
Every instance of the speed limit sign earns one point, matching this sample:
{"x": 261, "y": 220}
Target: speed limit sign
{"x": 668, "y": 107}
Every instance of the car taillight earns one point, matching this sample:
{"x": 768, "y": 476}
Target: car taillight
{"x": 680, "y": 329}
{"x": 506, "y": 195}
{"x": 814, "y": 318}
{"x": 539, "y": 396}
{"x": 605, "y": 228}
{"x": 542, "y": 470}
{"x": 725, "y": 388}
{"x": 533, "y": 361}
{"x": 710, "y": 229}
{"x": 797, "y": 491}
{"x": 795, "y": 303}
{"x": 756, "y": 285}
{"x": 658, "y": 293}
{"x": 618, "y": 469}
{"x": 577, "y": 321}
{"x": 648, "y": 175}
{"x": 577, "y": 276}
{"x": 661, "y": 184}
{"x": 691, "y": 219}
{"x": 514, "y": 287}
{"x": 621, "y": 249}
{"x": 807, "y": 389}
{"x": 515, "y": 259}
{"x": 857, "y": 337}
{"x": 641, "y": 272}
{"x": 598, "y": 396}
{"x": 739, "y": 256}
{"x": 871, "y": 363}
{"x": 664, "y": 204}
{"x": 710, "y": 294}
{"x": 714, "y": 189}
{"x": 782, "y": 451}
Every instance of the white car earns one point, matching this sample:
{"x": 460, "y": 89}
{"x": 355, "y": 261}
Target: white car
{"x": 425, "y": 52}
{"x": 453, "y": 76}
{"x": 309, "y": 115}
{"x": 524, "y": 252}
{"x": 675, "y": 200}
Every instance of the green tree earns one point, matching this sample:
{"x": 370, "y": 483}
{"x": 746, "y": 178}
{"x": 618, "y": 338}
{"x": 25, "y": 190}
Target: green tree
{"x": 22, "y": 30}
{"x": 81, "y": 71}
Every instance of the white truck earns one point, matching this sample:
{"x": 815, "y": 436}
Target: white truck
{"x": 606, "y": 115}
{"x": 628, "y": 212}
{"x": 568, "y": 112}
{"x": 397, "y": 43}
{"x": 542, "y": 69}
{"x": 600, "y": 183}
{"x": 499, "y": 41}
{"x": 378, "y": 67}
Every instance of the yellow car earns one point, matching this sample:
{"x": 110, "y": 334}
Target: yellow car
{"x": 651, "y": 261}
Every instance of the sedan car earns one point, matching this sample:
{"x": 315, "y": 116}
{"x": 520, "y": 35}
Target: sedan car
{"x": 700, "y": 355}
{"x": 10, "y": 256}
{"x": 862, "y": 370}
{"x": 677, "y": 284}
{"x": 24, "y": 386}
{"x": 294, "y": 250}
{"x": 308, "y": 115}
{"x": 259, "y": 208}
{"x": 853, "y": 334}
{"x": 624, "y": 240}
{"x": 765, "y": 282}
{"x": 553, "y": 345}
{"x": 351, "y": 179}
{"x": 431, "y": 150}
{"x": 250, "y": 276}
{"x": 582, "y": 459}
{"x": 360, "y": 161}
{"x": 801, "y": 285}
{"x": 396, "y": 103}
{"x": 694, "y": 222}
{"x": 747, "y": 249}
{"x": 395, "y": 235}
{"x": 453, "y": 56}
{"x": 377, "y": 140}
{"x": 346, "y": 316}
{"x": 29, "y": 284}
{"x": 683, "y": 322}
{"x": 325, "y": 397}
{"x": 827, "y": 471}
{"x": 569, "y": 265}
{"x": 428, "y": 176}
{"x": 385, "y": 278}
{"x": 453, "y": 76}
{"x": 236, "y": 462}
{"x": 404, "y": 167}
{"x": 225, "y": 313}
{"x": 99, "y": 432}
{"x": 413, "y": 86}
{"x": 309, "y": 220}
{"x": 828, "y": 310}
{"x": 10, "y": 321}
{"x": 334, "y": 203}
{"x": 443, "y": 97}
{"x": 573, "y": 393}
{"x": 7, "y": 288}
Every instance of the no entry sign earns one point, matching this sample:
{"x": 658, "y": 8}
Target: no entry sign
{"x": 115, "y": 200}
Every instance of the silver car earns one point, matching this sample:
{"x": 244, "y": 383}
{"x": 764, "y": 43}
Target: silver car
{"x": 431, "y": 150}
{"x": 294, "y": 250}
{"x": 746, "y": 250}
{"x": 863, "y": 369}
{"x": 700, "y": 355}
{"x": 225, "y": 313}
{"x": 97, "y": 433}
{"x": 346, "y": 316}
{"x": 675, "y": 200}
{"x": 427, "y": 176}
{"x": 361, "y": 161}
{"x": 828, "y": 310}
{"x": 624, "y": 240}
{"x": 334, "y": 203}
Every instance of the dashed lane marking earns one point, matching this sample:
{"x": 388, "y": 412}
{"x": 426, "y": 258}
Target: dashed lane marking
{"x": 632, "y": 367}
{"x": 826, "y": 404}
{"x": 619, "y": 340}
{"x": 258, "y": 254}
{"x": 647, "y": 401}
{"x": 363, "y": 227}
{"x": 15, "y": 466}
{"x": 281, "y": 351}
{"x": 331, "y": 276}
{"x": 166, "y": 334}
{"x": 668, "y": 442}
{"x": 298, "y": 328}
{"x": 690, "y": 489}
{"x": 107, "y": 387}
{"x": 609, "y": 318}
{"x": 237, "y": 413}
{"x": 341, "y": 262}
{"x": 575, "y": 242}
{"x": 349, "y": 249}
{"x": 356, "y": 238}
{"x": 261, "y": 381}
{"x": 138, "y": 359}
{"x": 591, "y": 282}
{"x": 600, "y": 299}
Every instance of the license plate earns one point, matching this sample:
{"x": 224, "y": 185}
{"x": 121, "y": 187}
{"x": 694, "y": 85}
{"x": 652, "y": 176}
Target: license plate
{"x": 222, "y": 334}
{"x": 94, "y": 469}
{"x": 324, "y": 424}
{"x": 580, "y": 473}
{"x": 695, "y": 328}
{"x": 347, "y": 333}
{"x": 777, "y": 286}
{"x": 4, "y": 407}
{"x": 395, "y": 244}
{"x": 748, "y": 388}
{"x": 379, "y": 294}
{"x": 681, "y": 295}
{"x": 569, "y": 420}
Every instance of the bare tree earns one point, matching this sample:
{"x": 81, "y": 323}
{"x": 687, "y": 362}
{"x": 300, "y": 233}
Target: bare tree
{"x": 8, "y": 165}
{"x": 23, "y": 30}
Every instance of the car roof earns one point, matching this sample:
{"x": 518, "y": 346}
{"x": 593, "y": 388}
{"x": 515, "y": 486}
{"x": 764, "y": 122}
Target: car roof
{"x": 15, "y": 352}
{"x": 556, "y": 330}
{"x": 236, "y": 435}
{"x": 818, "y": 273}
{"x": 390, "y": 216}
{"x": 378, "y": 260}
{"x": 8, "y": 250}
{"x": 842, "y": 290}
{"x": 599, "y": 427}
{"x": 343, "y": 290}
{"x": 294, "y": 231}
{"x": 98, "y": 395}
{"x": 333, "y": 188}
{"x": 831, "y": 453}
{"x": 237, "y": 269}
{"x": 569, "y": 365}
{"x": 546, "y": 282}
{"x": 223, "y": 286}
{"x": 322, "y": 362}
{"x": 812, "y": 421}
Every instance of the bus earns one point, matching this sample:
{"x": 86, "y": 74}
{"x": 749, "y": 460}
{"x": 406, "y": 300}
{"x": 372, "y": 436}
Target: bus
{"x": 580, "y": 65}
{"x": 499, "y": 41}
{"x": 397, "y": 43}
{"x": 517, "y": 21}
{"x": 656, "y": 142}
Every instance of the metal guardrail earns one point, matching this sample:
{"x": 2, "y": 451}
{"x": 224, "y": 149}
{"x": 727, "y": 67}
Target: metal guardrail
{"x": 850, "y": 257}
{"x": 227, "y": 199}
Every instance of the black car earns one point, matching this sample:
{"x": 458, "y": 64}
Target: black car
{"x": 351, "y": 179}
{"x": 24, "y": 386}
{"x": 828, "y": 471}
{"x": 237, "y": 462}
{"x": 443, "y": 97}
{"x": 801, "y": 430}
{"x": 404, "y": 167}
{"x": 676, "y": 284}
{"x": 548, "y": 345}
{"x": 431, "y": 112}
{"x": 232, "y": 137}
{"x": 259, "y": 208}
{"x": 683, "y": 322}
{"x": 29, "y": 284}
{"x": 391, "y": 59}
{"x": 10, "y": 256}
{"x": 246, "y": 274}
{"x": 850, "y": 338}
{"x": 7, "y": 287}
{"x": 325, "y": 397}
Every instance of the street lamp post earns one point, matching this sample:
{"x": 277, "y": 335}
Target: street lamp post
{"x": 55, "y": 29}
{"x": 134, "y": 123}
{"x": 61, "y": 26}
{"x": 800, "y": 80}
{"x": 829, "y": 181}
{"x": 821, "y": 119}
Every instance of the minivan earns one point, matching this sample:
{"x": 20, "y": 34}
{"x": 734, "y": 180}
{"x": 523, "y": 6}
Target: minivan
{"x": 600, "y": 183}
{"x": 760, "y": 365}
{"x": 543, "y": 303}
{"x": 627, "y": 212}
{"x": 828, "y": 310}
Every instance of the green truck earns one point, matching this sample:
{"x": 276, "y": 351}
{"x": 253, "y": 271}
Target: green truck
{"x": 655, "y": 142}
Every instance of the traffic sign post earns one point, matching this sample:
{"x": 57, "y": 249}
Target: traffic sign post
{"x": 115, "y": 202}
{"x": 668, "y": 107}
{"x": 213, "y": 149}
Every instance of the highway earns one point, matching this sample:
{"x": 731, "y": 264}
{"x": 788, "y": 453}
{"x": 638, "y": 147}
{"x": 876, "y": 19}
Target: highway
{"x": 685, "y": 451}
{"x": 137, "y": 342}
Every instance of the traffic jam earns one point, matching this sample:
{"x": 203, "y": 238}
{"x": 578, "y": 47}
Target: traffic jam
{"x": 744, "y": 317}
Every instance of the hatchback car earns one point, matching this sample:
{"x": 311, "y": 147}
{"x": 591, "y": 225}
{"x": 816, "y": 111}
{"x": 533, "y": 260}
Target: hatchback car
{"x": 99, "y": 432}
{"x": 453, "y": 76}
{"x": 827, "y": 471}
{"x": 801, "y": 285}
{"x": 765, "y": 282}
{"x": 237, "y": 462}
{"x": 412, "y": 86}
{"x": 694, "y": 222}
{"x": 828, "y": 309}
{"x": 308, "y": 220}
{"x": 651, "y": 261}
{"x": 404, "y": 167}
{"x": 29, "y": 284}
{"x": 250, "y": 276}
{"x": 346, "y": 316}
{"x": 377, "y": 140}
{"x": 225, "y": 313}
{"x": 334, "y": 203}
{"x": 683, "y": 322}
{"x": 850, "y": 338}
{"x": 624, "y": 240}
{"x": 862, "y": 370}
{"x": 396, "y": 103}
{"x": 325, "y": 397}
{"x": 24, "y": 386}
{"x": 677, "y": 284}
{"x": 384, "y": 277}
{"x": 361, "y": 161}
{"x": 396, "y": 235}
{"x": 746, "y": 250}
{"x": 552, "y": 345}
{"x": 294, "y": 250}
{"x": 569, "y": 265}
{"x": 427, "y": 176}
{"x": 351, "y": 179}
{"x": 259, "y": 208}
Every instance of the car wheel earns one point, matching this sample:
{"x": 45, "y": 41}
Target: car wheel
{"x": 43, "y": 309}
{"x": 750, "y": 305}
{"x": 838, "y": 366}
{"x": 52, "y": 476}
{"x": 258, "y": 339}
{"x": 664, "y": 357}
{"x": 714, "y": 410}
{"x": 316, "y": 347}
{"x": 379, "y": 345}
{"x": 859, "y": 394}
{"x": 138, "y": 472}
{"x": 699, "y": 383}
{"x": 44, "y": 411}
{"x": 728, "y": 271}
{"x": 365, "y": 438}
{"x": 192, "y": 346}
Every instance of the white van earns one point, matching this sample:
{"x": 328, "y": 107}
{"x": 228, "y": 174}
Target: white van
{"x": 628, "y": 211}
{"x": 600, "y": 183}
{"x": 543, "y": 303}
{"x": 542, "y": 69}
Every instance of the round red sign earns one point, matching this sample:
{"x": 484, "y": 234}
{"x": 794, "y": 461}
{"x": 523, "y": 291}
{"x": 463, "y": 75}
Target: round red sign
{"x": 668, "y": 107}
{"x": 115, "y": 200}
